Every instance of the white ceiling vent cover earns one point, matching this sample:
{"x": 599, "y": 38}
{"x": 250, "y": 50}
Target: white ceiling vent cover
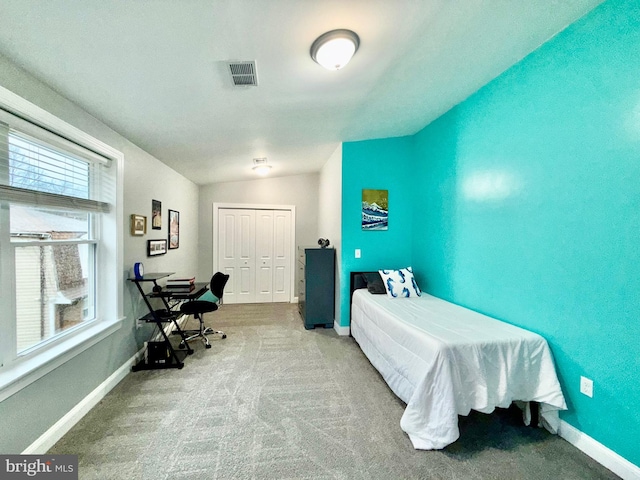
{"x": 243, "y": 74}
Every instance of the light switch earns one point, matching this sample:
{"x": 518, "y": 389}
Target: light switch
{"x": 357, "y": 253}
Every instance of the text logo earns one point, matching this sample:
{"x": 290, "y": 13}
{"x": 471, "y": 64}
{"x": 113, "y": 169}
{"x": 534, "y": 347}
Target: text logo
{"x": 51, "y": 467}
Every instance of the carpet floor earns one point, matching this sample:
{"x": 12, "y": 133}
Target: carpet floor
{"x": 274, "y": 401}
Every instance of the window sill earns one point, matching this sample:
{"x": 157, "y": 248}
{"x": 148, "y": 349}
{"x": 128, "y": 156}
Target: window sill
{"x": 24, "y": 373}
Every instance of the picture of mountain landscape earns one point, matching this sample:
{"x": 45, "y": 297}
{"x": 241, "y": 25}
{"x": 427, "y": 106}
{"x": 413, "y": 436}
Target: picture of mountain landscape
{"x": 375, "y": 209}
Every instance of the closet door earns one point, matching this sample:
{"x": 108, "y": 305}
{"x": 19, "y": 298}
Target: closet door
{"x": 236, "y": 237}
{"x": 264, "y": 256}
{"x": 281, "y": 255}
{"x": 254, "y": 248}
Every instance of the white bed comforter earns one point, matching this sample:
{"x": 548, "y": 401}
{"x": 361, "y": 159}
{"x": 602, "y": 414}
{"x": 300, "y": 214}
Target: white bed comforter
{"x": 443, "y": 360}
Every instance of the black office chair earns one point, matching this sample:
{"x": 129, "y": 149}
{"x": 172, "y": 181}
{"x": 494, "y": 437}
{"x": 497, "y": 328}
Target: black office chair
{"x": 198, "y": 308}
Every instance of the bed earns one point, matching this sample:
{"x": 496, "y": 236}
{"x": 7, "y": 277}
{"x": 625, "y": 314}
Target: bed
{"x": 443, "y": 360}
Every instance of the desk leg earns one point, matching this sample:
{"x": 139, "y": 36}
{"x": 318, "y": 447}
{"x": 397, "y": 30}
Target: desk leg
{"x": 179, "y": 331}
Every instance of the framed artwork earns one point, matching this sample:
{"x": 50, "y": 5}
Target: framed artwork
{"x": 138, "y": 224}
{"x": 375, "y": 209}
{"x": 156, "y": 247}
{"x": 156, "y": 214}
{"x": 174, "y": 229}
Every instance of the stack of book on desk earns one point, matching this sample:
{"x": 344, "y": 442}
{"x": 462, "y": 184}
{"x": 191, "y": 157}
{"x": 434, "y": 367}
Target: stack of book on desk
{"x": 181, "y": 284}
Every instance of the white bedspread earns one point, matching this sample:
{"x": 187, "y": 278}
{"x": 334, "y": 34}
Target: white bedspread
{"x": 443, "y": 360}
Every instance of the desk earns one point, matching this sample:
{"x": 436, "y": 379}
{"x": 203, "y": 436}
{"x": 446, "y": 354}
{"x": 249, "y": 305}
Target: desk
{"x": 169, "y": 357}
{"x": 179, "y": 295}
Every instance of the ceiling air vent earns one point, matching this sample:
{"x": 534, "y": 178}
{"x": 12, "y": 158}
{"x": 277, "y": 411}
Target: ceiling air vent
{"x": 243, "y": 74}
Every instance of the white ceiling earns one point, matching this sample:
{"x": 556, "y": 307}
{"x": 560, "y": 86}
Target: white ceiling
{"x": 154, "y": 70}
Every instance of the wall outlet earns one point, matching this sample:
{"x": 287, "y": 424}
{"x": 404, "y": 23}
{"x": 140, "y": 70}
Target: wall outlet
{"x": 586, "y": 386}
{"x": 358, "y": 253}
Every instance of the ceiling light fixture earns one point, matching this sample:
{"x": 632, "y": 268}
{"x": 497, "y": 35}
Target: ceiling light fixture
{"x": 260, "y": 166}
{"x": 334, "y": 49}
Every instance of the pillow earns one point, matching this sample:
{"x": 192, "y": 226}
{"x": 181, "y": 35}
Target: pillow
{"x": 374, "y": 283}
{"x": 400, "y": 283}
{"x": 208, "y": 297}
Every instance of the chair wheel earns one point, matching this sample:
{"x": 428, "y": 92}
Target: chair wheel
{"x": 190, "y": 352}
{"x": 224, "y": 336}
{"x": 182, "y": 345}
{"x": 207, "y": 346}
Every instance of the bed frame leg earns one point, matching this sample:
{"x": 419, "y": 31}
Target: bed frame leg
{"x": 535, "y": 413}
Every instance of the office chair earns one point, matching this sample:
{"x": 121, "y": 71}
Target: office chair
{"x": 198, "y": 308}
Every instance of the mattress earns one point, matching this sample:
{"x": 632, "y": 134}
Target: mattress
{"x": 443, "y": 360}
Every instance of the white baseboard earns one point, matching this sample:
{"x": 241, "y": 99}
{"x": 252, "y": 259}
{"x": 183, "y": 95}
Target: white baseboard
{"x": 601, "y": 454}
{"x": 73, "y": 416}
{"x": 344, "y": 331}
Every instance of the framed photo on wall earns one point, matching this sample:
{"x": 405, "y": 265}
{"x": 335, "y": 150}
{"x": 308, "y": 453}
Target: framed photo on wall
{"x": 174, "y": 229}
{"x": 138, "y": 224}
{"x": 156, "y": 247}
{"x": 156, "y": 214}
{"x": 375, "y": 209}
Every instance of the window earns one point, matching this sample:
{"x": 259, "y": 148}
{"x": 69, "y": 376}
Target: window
{"x": 59, "y": 241}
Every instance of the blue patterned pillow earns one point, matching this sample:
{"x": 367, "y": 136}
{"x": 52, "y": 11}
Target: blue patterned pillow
{"x": 400, "y": 283}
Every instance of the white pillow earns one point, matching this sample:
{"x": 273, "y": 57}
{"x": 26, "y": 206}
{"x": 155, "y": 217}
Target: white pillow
{"x": 400, "y": 283}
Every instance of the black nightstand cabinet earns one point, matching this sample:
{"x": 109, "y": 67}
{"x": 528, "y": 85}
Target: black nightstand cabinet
{"x": 316, "y": 292}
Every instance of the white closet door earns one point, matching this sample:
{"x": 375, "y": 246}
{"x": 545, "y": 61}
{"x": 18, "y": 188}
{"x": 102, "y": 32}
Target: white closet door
{"x": 254, "y": 248}
{"x": 236, "y": 243}
{"x": 264, "y": 256}
{"x": 281, "y": 255}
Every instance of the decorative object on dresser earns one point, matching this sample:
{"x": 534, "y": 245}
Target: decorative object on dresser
{"x": 316, "y": 291}
{"x": 323, "y": 242}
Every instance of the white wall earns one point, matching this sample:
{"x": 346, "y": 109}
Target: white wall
{"x": 29, "y": 413}
{"x": 298, "y": 190}
{"x": 330, "y": 210}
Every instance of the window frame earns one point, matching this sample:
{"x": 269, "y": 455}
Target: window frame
{"x": 18, "y": 371}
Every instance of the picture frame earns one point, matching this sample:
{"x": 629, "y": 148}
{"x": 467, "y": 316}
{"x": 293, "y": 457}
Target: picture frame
{"x": 138, "y": 224}
{"x": 174, "y": 229}
{"x": 156, "y": 247}
{"x": 375, "y": 209}
{"x": 156, "y": 214}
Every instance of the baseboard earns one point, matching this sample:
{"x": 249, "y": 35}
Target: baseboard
{"x": 73, "y": 416}
{"x": 601, "y": 454}
{"x": 340, "y": 330}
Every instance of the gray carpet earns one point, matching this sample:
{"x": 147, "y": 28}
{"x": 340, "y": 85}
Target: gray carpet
{"x": 273, "y": 401}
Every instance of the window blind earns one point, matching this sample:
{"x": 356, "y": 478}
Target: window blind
{"x": 39, "y": 168}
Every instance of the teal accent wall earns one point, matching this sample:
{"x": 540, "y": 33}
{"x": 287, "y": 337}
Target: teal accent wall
{"x": 384, "y": 164}
{"x": 529, "y": 211}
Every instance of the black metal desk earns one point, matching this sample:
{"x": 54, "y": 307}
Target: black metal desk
{"x": 160, "y": 317}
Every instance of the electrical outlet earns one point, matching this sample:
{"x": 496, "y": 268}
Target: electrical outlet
{"x": 358, "y": 253}
{"x": 586, "y": 386}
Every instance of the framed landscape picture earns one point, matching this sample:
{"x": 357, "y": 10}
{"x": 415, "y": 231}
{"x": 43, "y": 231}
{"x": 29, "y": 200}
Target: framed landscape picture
{"x": 174, "y": 229}
{"x": 375, "y": 209}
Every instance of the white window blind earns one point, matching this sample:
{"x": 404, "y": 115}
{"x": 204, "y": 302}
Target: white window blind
{"x": 39, "y": 168}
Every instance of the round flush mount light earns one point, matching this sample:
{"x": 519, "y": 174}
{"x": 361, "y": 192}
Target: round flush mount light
{"x": 334, "y": 49}
{"x": 260, "y": 166}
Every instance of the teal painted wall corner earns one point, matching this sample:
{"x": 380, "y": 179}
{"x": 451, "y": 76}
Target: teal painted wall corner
{"x": 383, "y": 164}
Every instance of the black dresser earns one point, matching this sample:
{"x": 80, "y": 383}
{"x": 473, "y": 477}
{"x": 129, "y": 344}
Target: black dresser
{"x": 316, "y": 286}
